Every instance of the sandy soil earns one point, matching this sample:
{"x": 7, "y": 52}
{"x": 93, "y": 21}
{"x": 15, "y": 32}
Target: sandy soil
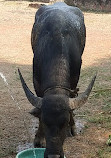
{"x": 16, "y": 20}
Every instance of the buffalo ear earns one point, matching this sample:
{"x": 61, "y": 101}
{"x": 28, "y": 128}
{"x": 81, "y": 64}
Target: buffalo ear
{"x": 35, "y": 112}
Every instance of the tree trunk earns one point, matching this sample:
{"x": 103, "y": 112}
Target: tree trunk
{"x": 69, "y": 2}
{"x": 53, "y": 1}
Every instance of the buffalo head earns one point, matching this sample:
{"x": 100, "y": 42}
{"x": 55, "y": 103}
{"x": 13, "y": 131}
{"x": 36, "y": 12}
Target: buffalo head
{"x": 58, "y": 109}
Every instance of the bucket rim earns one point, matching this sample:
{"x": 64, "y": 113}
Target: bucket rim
{"x": 30, "y": 149}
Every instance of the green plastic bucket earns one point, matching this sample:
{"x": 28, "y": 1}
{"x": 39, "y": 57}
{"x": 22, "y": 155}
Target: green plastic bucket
{"x": 32, "y": 153}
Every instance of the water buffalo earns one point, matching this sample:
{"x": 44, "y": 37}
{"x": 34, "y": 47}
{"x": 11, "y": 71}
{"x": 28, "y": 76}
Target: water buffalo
{"x": 58, "y": 41}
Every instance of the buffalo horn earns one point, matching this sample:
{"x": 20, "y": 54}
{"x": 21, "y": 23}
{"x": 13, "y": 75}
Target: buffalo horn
{"x": 82, "y": 98}
{"x": 35, "y": 101}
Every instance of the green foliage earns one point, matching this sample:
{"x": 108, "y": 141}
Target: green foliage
{"x": 109, "y": 141}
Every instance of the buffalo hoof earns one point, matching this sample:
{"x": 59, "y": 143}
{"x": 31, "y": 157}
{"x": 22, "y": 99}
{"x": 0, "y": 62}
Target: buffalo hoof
{"x": 39, "y": 143}
{"x": 71, "y": 131}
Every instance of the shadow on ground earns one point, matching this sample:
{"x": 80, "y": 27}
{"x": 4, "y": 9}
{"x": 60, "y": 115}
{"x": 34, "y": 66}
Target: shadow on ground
{"x": 13, "y": 132}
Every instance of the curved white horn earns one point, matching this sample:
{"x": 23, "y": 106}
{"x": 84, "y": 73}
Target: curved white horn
{"x": 77, "y": 102}
{"x": 34, "y": 100}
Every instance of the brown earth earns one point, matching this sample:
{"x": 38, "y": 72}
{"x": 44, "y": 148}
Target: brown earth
{"x": 16, "y": 20}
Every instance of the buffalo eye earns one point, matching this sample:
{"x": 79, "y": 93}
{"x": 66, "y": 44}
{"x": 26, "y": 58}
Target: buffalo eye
{"x": 65, "y": 32}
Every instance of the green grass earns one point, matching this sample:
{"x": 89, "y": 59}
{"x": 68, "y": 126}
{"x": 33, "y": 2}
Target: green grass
{"x": 103, "y": 120}
{"x": 100, "y": 119}
{"x": 104, "y": 153}
{"x": 102, "y": 93}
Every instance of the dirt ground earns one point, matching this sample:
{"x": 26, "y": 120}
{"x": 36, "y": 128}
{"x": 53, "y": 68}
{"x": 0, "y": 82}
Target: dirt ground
{"x": 16, "y": 20}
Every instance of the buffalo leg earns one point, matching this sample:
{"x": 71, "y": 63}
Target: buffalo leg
{"x": 72, "y": 124}
{"x": 39, "y": 141}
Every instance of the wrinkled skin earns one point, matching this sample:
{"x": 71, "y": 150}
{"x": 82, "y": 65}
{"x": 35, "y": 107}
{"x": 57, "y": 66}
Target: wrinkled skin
{"x": 58, "y": 40}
